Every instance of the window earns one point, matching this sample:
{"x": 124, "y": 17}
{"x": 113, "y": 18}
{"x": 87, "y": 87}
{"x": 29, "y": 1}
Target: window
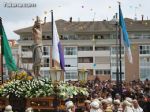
{"x": 113, "y": 76}
{"x": 46, "y": 50}
{"x": 145, "y": 61}
{"x": 85, "y": 48}
{"x": 113, "y": 50}
{"x": 99, "y": 36}
{"x": 144, "y": 73}
{"x": 101, "y": 48}
{"x": 144, "y": 68}
{"x": 113, "y": 67}
{"x": 70, "y": 51}
{"x": 145, "y": 49}
{"x": 45, "y": 73}
{"x": 44, "y": 37}
{"x": 85, "y": 60}
{"x": 64, "y": 37}
{"x": 114, "y": 62}
{"x": 26, "y": 48}
{"x": 71, "y": 75}
{"x": 68, "y": 37}
{"x": 70, "y": 62}
{"x": 46, "y": 62}
{"x": 103, "y": 72}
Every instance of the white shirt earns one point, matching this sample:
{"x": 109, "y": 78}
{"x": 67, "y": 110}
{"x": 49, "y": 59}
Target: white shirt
{"x": 139, "y": 109}
{"x": 128, "y": 109}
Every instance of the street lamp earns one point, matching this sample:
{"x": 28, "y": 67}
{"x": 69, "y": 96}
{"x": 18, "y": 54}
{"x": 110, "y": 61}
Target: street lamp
{"x": 56, "y": 74}
{"x": 115, "y": 22}
{"x": 82, "y": 75}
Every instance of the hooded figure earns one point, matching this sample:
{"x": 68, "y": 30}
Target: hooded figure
{"x": 127, "y": 106}
{"x": 29, "y": 109}
{"x": 8, "y": 108}
{"x": 95, "y": 107}
{"x": 70, "y": 106}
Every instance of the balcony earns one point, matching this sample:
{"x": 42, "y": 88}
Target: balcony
{"x": 27, "y": 54}
{"x": 85, "y": 65}
{"x": 27, "y": 66}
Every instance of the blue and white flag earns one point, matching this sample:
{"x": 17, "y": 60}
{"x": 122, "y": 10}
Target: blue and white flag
{"x": 125, "y": 35}
{"x": 57, "y": 51}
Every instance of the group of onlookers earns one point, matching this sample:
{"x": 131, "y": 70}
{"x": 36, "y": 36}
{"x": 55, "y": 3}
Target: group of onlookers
{"x": 8, "y": 108}
{"x": 106, "y": 105}
{"x": 106, "y": 96}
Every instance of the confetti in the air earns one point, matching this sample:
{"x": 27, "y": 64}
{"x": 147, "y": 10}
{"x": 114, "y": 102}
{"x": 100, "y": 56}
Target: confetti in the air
{"x": 45, "y": 12}
{"x": 140, "y": 5}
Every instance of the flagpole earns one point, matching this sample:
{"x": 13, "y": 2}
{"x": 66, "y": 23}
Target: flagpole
{"x": 117, "y": 69}
{"x": 52, "y": 32}
{"x": 1, "y": 50}
{"x": 120, "y": 57}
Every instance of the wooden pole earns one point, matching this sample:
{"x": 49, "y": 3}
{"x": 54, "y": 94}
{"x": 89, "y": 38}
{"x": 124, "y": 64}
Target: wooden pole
{"x": 1, "y": 35}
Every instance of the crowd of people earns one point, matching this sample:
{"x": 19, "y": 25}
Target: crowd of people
{"x": 104, "y": 96}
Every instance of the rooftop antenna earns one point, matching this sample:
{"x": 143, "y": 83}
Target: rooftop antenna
{"x": 135, "y": 16}
{"x": 94, "y": 16}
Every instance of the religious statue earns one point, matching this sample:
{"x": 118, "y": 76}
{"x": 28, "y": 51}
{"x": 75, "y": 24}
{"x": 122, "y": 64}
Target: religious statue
{"x": 37, "y": 47}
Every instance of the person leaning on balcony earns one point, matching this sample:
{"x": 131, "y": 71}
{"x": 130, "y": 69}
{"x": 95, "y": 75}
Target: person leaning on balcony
{"x": 8, "y": 108}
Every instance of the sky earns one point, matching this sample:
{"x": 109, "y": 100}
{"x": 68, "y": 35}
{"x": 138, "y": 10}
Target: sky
{"x": 83, "y": 10}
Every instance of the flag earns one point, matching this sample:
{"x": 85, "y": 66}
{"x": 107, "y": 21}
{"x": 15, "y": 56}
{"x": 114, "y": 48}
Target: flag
{"x": 125, "y": 35}
{"x": 10, "y": 63}
{"x": 57, "y": 52}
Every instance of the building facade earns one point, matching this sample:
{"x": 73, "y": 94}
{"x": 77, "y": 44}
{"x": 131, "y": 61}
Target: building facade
{"x": 14, "y": 48}
{"x": 91, "y": 45}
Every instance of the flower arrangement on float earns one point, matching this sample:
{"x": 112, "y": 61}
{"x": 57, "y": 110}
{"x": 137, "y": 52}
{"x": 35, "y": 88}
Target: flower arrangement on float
{"x": 26, "y": 86}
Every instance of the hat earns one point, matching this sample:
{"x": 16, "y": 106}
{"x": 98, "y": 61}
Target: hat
{"x": 94, "y": 105}
{"x": 69, "y": 104}
{"x": 117, "y": 102}
{"x": 96, "y": 84}
{"x": 129, "y": 99}
{"x": 127, "y": 103}
{"x": 105, "y": 101}
{"x": 97, "y": 100}
{"x": 87, "y": 101}
{"x": 109, "y": 100}
{"x": 8, "y": 108}
{"x": 100, "y": 98}
{"x": 117, "y": 94}
{"x": 29, "y": 109}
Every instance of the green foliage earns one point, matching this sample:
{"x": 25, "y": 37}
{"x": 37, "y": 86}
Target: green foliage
{"x": 39, "y": 88}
